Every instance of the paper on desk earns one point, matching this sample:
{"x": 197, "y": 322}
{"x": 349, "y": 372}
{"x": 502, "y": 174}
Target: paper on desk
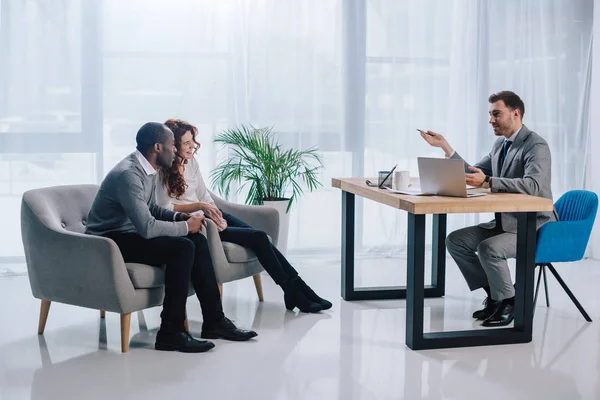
{"x": 414, "y": 191}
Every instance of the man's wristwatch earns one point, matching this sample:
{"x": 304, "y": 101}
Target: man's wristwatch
{"x": 181, "y": 216}
{"x": 488, "y": 182}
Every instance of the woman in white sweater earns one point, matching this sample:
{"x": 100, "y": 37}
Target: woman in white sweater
{"x": 182, "y": 188}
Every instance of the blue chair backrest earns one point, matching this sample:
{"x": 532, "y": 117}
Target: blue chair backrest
{"x": 565, "y": 240}
{"x": 577, "y": 205}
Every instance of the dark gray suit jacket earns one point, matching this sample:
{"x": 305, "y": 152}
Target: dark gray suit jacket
{"x": 527, "y": 169}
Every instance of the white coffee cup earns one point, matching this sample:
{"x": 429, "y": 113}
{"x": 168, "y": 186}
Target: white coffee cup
{"x": 401, "y": 180}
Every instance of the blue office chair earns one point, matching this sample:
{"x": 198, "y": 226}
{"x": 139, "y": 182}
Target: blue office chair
{"x": 565, "y": 240}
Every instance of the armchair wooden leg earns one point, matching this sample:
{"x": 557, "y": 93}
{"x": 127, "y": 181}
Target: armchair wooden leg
{"x": 102, "y": 314}
{"x": 186, "y": 323}
{"x": 125, "y": 324}
{"x": 221, "y": 290}
{"x": 44, "y": 310}
{"x": 258, "y": 285}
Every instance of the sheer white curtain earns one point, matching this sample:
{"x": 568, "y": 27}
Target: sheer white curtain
{"x": 594, "y": 165}
{"x": 353, "y": 77}
{"x": 433, "y": 66}
{"x": 81, "y": 77}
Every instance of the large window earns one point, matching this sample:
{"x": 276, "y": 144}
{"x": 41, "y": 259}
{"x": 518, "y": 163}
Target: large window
{"x": 49, "y": 125}
{"x": 355, "y": 78}
{"x": 83, "y": 76}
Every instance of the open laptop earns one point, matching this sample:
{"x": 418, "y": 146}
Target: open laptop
{"x": 441, "y": 177}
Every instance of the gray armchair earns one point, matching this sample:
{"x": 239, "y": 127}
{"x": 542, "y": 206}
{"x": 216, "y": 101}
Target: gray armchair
{"x": 67, "y": 266}
{"x": 231, "y": 261}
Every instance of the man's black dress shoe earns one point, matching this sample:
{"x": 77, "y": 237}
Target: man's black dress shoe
{"x": 181, "y": 341}
{"x": 225, "y": 329}
{"x": 502, "y": 316}
{"x": 488, "y": 309}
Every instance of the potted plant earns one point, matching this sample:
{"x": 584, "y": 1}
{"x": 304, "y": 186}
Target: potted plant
{"x": 271, "y": 172}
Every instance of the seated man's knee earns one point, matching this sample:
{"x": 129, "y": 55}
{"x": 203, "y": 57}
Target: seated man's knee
{"x": 452, "y": 241}
{"x": 182, "y": 246}
{"x": 199, "y": 241}
{"x": 487, "y": 249}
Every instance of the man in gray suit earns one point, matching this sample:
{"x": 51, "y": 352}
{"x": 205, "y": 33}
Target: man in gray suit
{"x": 518, "y": 163}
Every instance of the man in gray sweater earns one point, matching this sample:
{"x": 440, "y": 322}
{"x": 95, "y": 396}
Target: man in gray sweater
{"x": 125, "y": 211}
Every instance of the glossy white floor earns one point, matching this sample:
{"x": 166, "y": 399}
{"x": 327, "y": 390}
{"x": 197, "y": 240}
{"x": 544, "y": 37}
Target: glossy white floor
{"x": 354, "y": 351}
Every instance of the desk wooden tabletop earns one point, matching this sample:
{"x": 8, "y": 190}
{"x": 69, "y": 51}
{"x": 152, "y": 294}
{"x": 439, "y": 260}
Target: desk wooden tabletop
{"x": 491, "y": 202}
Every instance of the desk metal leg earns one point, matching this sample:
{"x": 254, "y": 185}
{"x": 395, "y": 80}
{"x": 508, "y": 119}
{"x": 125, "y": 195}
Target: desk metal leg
{"x": 525, "y": 272}
{"x": 438, "y": 273}
{"x": 438, "y": 255}
{"x": 415, "y": 279}
{"x": 348, "y": 202}
{"x": 520, "y": 333}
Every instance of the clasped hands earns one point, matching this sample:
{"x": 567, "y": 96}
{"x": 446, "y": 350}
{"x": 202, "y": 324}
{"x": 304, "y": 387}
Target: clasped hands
{"x": 210, "y": 211}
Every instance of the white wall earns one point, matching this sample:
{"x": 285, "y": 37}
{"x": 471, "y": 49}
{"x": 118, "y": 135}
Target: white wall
{"x": 594, "y": 182}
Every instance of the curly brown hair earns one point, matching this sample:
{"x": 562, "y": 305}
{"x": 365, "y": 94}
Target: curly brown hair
{"x": 172, "y": 178}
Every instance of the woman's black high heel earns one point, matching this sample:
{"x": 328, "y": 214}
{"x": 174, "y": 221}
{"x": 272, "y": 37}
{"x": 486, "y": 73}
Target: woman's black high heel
{"x": 293, "y": 297}
{"x": 310, "y": 294}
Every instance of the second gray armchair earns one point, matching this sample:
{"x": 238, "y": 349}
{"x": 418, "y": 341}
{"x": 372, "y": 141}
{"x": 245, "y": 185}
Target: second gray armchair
{"x": 231, "y": 261}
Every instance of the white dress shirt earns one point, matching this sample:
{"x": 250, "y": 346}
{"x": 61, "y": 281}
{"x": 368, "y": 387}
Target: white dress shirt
{"x": 196, "y": 191}
{"x": 145, "y": 163}
{"x": 514, "y": 135}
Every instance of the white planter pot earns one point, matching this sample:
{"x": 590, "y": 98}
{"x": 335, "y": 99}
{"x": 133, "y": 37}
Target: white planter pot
{"x": 284, "y": 222}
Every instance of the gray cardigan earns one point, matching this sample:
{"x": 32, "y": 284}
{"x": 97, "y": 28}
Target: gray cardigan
{"x": 126, "y": 203}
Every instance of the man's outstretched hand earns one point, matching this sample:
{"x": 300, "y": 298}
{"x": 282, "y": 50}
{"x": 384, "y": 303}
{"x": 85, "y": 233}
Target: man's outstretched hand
{"x": 437, "y": 140}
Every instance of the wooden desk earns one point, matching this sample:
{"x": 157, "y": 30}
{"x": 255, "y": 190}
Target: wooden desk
{"x": 415, "y": 291}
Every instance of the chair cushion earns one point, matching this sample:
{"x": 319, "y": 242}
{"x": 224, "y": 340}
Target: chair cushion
{"x": 238, "y": 254}
{"x": 145, "y": 276}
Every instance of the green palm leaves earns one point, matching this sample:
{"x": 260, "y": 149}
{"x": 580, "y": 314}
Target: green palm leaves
{"x": 256, "y": 159}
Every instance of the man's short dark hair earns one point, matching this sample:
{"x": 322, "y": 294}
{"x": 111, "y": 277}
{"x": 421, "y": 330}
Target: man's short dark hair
{"x": 510, "y": 99}
{"x": 149, "y": 134}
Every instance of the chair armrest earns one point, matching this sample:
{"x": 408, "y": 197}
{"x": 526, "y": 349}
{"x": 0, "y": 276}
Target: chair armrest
{"x": 215, "y": 246}
{"x": 259, "y": 217}
{"x": 562, "y": 241}
{"x": 74, "y": 268}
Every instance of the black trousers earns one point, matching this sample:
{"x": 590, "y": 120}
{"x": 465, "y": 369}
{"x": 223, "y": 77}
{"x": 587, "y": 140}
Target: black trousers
{"x": 272, "y": 260}
{"x": 186, "y": 258}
